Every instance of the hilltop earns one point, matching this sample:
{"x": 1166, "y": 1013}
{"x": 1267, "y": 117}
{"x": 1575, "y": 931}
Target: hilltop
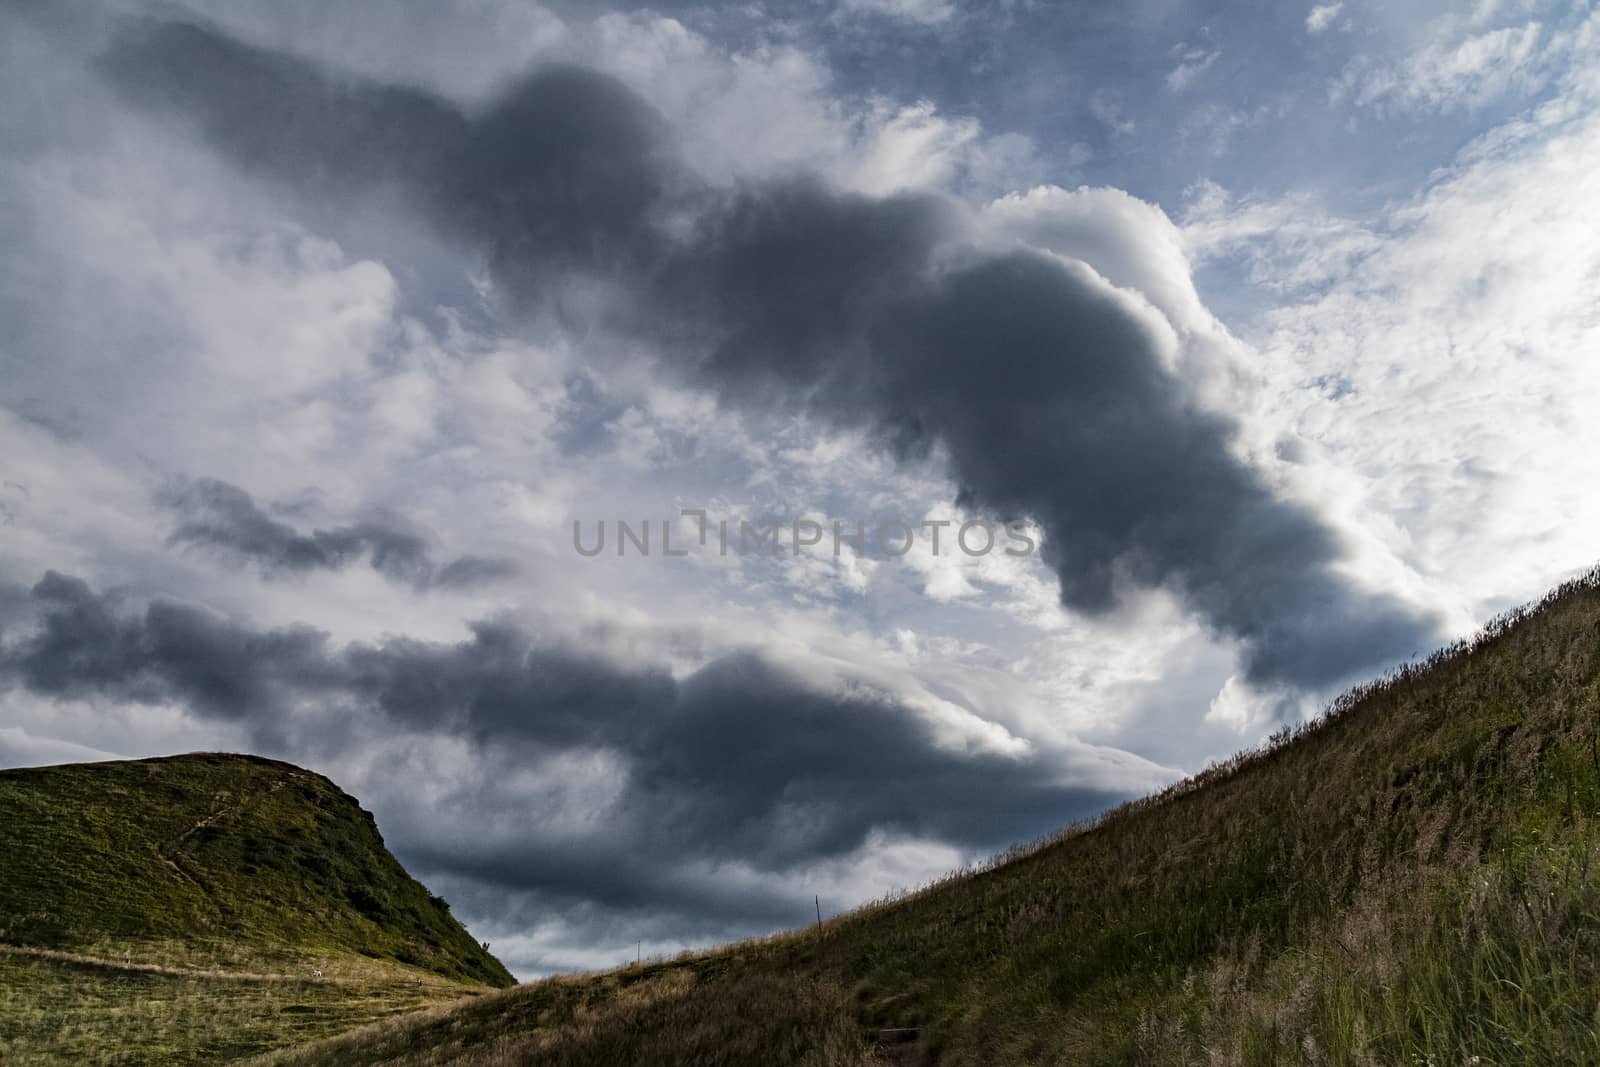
{"x": 254, "y": 898}
{"x": 1410, "y": 878}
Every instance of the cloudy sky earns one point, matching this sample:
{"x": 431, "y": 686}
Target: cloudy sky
{"x": 1260, "y": 338}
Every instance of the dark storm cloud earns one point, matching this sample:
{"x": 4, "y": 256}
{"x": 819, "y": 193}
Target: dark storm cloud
{"x": 84, "y": 646}
{"x": 740, "y": 759}
{"x": 738, "y": 762}
{"x": 567, "y": 170}
{"x": 14, "y": 606}
{"x": 1044, "y": 386}
{"x": 223, "y": 518}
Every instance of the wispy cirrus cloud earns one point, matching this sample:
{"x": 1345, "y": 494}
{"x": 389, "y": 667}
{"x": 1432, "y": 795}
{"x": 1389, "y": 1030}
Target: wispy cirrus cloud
{"x": 1464, "y": 64}
{"x": 1322, "y": 16}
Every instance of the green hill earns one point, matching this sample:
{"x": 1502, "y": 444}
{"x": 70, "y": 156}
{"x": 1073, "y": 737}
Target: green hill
{"x": 1411, "y": 879}
{"x": 252, "y": 898}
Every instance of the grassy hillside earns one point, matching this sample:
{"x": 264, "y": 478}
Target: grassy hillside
{"x": 175, "y": 909}
{"x": 59, "y": 1011}
{"x": 1412, "y": 879}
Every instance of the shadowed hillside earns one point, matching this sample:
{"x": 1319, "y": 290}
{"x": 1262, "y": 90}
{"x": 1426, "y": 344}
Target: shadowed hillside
{"x": 1410, "y": 879}
{"x": 185, "y": 908}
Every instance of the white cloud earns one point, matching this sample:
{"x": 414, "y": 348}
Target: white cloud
{"x": 1192, "y": 63}
{"x": 925, "y": 12}
{"x": 1467, "y": 74}
{"x": 1291, "y": 242}
{"x": 1462, "y": 66}
{"x": 910, "y": 147}
{"x": 1438, "y": 362}
{"x": 1322, "y": 16}
{"x": 1108, "y": 108}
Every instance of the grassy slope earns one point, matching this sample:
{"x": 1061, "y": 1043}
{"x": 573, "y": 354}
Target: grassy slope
{"x": 1411, "y": 879}
{"x": 55, "y": 1012}
{"x": 211, "y": 886}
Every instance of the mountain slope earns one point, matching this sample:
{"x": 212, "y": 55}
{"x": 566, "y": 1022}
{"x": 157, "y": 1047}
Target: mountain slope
{"x": 235, "y": 850}
{"x": 1413, "y": 878}
{"x": 252, "y": 897}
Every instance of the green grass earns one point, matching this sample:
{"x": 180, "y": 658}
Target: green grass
{"x": 56, "y": 1012}
{"x": 1412, "y": 879}
{"x": 220, "y": 854}
{"x": 174, "y": 911}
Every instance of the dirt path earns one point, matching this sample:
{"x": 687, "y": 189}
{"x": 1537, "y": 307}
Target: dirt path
{"x": 171, "y": 853}
{"x": 140, "y": 967}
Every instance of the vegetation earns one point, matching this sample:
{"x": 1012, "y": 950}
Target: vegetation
{"x": 1414, "y": 878}
{"x": 57, "y": 1011}
{"x": 1411, "y": 879}
{"x": 192, "y": 908}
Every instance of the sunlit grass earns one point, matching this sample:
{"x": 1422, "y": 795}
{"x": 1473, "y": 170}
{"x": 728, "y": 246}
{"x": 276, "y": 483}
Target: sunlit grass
{"x": 58, "y": 1012}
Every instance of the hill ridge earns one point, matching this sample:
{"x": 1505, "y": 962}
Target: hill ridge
{"x": 248, "y": 852}
{"x": 192, "y": 908}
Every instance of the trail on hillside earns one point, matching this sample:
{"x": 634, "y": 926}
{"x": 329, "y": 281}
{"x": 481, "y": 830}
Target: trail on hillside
{"x": 168, "y": 970}
{"x": 169, "y": 853}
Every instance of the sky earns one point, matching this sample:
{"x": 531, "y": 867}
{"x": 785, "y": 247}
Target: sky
{"x": 1022, "y": 405}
